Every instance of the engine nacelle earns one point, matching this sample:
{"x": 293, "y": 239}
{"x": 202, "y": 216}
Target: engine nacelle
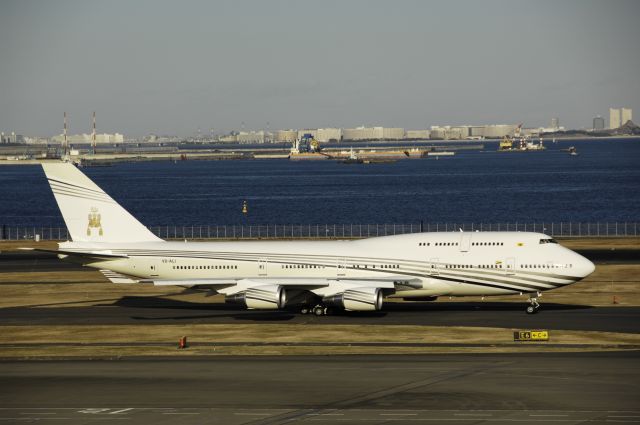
{"x": 266, "y": 297}
{"x": 356, "y": 299}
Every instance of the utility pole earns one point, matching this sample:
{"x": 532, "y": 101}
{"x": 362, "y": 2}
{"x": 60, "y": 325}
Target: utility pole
{"x": 65, "y": 144}
{"x": 93, "y": 135}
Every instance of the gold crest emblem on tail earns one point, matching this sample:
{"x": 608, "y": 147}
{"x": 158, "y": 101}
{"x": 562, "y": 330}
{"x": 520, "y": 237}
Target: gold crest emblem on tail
{"x": 94, "y": 222}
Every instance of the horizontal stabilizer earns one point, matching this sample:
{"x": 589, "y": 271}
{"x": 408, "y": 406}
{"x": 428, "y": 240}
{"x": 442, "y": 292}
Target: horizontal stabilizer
{"x": 117, "y": 277}
{"x": 98, "y": 255}
{"x": 214, "y": 283}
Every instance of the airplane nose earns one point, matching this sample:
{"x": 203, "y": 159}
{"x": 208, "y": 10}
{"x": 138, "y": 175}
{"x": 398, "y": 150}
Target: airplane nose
{"x": 585, "y": 266}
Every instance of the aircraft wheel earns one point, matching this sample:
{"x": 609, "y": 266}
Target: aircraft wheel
{"x": 305, "y": 310}
{"x": 318, "y": 310}
{"x": 531, "y": 309}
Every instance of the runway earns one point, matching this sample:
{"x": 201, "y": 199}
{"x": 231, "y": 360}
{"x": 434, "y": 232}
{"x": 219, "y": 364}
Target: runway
{"x": 496, "y": 388}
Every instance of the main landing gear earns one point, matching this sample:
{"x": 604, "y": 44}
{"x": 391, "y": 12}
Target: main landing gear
{"x": 534, "y": 305}
{"x": 318, "y": 310}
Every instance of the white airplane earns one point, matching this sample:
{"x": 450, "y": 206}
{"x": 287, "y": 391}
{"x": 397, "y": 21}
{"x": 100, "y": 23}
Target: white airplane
{"x": 316, "y": 276}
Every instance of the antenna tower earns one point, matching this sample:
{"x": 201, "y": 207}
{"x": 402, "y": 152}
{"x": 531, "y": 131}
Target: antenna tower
{"x": 65, "y": 144}
{"x": 93, "y": 135}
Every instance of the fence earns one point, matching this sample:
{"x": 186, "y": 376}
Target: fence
{"x": 339, "y": 231}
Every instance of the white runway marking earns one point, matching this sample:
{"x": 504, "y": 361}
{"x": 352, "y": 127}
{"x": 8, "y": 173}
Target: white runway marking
{"x": 180, "y": 413}
{"x": 252, "y": 414}
{"x": 472, "y": 414}
{"x": 547, "y": 415}
{"x": 120, "y": 411}
{"x": 398, "y": 414}
{"x": 38, "y": 413}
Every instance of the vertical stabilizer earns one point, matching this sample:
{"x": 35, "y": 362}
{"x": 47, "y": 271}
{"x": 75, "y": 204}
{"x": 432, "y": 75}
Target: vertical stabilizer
{"x": 89, "y": 213}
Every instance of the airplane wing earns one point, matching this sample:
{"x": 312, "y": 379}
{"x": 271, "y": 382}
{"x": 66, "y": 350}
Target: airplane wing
{"x": 363, "y": 294}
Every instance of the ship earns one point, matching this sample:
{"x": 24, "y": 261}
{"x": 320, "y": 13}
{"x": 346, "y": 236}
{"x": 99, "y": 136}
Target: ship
{"x": 524, "y": 144}
{"x": 506, "y": 143}
{"x": 381, "y": 155}
{"x": 307, "y": 156}
{"x": 351, "y": 159}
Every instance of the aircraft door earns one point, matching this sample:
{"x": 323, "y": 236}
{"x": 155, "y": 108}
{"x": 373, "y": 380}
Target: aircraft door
{"x": 510, "y": 266}
{"x": 465, "y": 242}
{"x": 341, "y": 267}
{"x": 433, "y": 267}
{"x": 263, "y": 265}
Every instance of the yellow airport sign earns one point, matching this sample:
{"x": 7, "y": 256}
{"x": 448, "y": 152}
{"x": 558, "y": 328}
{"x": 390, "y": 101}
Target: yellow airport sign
{"x": 531, "y": 335}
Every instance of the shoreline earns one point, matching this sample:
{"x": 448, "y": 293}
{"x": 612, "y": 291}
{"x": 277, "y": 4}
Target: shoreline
{"x": 266, "y": 151}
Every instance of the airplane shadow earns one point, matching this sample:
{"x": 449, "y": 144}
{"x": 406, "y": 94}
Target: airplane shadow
{"x": 216, "y": 310}
{"x": 421, "y": 307}
{"x": 221, "y": 311}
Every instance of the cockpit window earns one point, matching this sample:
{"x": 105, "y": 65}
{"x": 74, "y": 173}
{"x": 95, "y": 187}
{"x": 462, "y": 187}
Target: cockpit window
{"x": 547, "y": 241}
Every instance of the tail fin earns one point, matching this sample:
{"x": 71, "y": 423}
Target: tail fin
{"x": 89, "y": 213}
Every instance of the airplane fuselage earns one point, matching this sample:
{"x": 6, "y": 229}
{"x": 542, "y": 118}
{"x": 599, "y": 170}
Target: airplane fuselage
{"x": 430, "y": 264}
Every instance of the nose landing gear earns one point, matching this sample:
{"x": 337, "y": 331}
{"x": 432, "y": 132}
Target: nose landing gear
{"x": 534, "y": 305}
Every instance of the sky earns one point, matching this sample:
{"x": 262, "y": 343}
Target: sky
{"x": 173, "y": 67}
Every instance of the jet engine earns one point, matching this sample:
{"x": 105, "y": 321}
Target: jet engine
{"x": 266, "y": 297}
{"x": 356, "y": 299}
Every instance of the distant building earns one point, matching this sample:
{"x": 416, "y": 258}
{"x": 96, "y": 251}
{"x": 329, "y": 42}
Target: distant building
{"x": 498, "y": 131}
{"x": 598, "y": 123}
{"x": 103, "y": 138}
{"x": 555, "y": 122}
{"x": 392, "y": 133}
{"x": 619, "y": 117}
{"x": 322, "y": 134}
{"x": 286, "y": 136}
{"x": 37, "y": 140}
{"x": 312, "y": 131}
{"x": 541, "y": 130}
{"x": 12, "y": 137}
{"x": 458, "y": 132}
{"x": 614, "y": 118}
{"x": 417, "y": 134}
{"x": 626, "y": 114}
{"x": 447, "y": 132}
{"x": 109, "y": 138}
{"x": 228, "y": 138}
{"x": 437, "y": 132}
{"x": 362, "y": 133}
{"x": 373, "y": 133}
{"x": 329, "y": 134}
{"x": 251, "y": 137}
{"x": 476, "y": 131}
